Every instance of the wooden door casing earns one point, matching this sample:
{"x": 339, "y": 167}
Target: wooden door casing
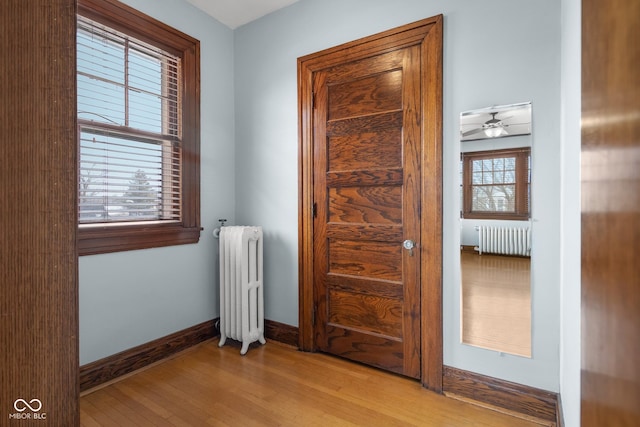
{"x": 424, "y": 39}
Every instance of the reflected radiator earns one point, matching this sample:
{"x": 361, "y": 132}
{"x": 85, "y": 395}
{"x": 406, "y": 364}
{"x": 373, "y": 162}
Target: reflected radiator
{"x": 504, "y": 240}
{"x": 241, "y": 293}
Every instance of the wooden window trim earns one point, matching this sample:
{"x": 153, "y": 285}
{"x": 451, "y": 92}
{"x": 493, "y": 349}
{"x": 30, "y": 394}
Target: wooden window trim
{"x": 104, "y": 238}
{"x": 523, "y": 204}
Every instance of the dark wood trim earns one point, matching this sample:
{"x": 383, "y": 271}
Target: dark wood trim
{"x": 112, "y": 367}
{"x": 109, "y": 368}
{"x": 101, "y": 239}
{"x": 528, "y": 401}
{"x": 281, "y": 332}
{"x": 305, "y": 207}
{"x": 126, "y": 19}
{"x": 427, "y": 34}
{"x": 431, "y": 207}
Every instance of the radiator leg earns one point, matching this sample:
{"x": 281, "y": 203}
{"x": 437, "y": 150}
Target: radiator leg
{"x": 245, "y": 347}
{"x": 261, "y": 308}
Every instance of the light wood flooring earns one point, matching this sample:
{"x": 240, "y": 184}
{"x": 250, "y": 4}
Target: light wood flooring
{"x": 496, "y": 302}
{"x": 274, "y": 385}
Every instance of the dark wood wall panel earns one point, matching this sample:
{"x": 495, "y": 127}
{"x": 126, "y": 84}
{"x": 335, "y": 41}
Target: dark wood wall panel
{"x": 610, "y": 375}
{"x": 39, "y": 295}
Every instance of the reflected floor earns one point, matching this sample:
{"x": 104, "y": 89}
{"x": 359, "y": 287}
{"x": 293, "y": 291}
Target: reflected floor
{"x": 496, "y": 302}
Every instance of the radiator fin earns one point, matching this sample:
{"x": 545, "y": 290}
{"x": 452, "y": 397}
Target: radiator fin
{"x": 504, "y": 240}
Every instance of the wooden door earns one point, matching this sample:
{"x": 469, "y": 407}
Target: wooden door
{"x": 610, "y": 374}
{"x": 371, "y": 138}
{"x": 367, "y": 196}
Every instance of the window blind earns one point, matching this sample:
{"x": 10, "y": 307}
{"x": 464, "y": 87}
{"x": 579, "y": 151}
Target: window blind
{"x": 130, "y": 134}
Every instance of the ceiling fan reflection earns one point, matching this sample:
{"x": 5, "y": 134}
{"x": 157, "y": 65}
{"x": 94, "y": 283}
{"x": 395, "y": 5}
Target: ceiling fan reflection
{"x": 492, "y": 128}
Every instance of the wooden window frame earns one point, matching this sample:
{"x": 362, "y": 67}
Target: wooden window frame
{"x": 523, "y": 202}
{"x": 114, "y": 237}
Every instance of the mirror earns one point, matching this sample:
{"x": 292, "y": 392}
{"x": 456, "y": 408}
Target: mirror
{"x": 495, "y": 228}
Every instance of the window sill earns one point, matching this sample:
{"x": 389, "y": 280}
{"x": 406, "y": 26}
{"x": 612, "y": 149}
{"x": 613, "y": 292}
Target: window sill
{"x": 496, "y": 216}
{"x": 101, "y": 239}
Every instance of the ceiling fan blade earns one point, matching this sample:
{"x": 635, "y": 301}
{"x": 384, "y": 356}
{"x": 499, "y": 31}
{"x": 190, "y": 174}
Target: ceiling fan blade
{"x": 472, "y": 132}
{"x": 514, "y": 124}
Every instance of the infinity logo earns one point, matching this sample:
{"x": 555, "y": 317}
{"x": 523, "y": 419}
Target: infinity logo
{"x": 26, "y": 405}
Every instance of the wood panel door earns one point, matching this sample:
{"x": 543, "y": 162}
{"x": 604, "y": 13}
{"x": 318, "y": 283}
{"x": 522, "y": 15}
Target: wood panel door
{"x": 372, "y": 137}
{"x": 367, "y": 198}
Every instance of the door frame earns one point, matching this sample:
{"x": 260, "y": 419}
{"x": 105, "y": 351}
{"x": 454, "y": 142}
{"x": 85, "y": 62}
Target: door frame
{"x": 427, "y": 34}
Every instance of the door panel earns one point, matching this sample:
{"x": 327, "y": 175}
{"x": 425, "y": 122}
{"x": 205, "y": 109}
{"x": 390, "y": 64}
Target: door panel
{"x": 355, "y": 310}
{"x": 369, "y": 95}
{"x": 367, "y": 191}
{"x": 366, "y": 149}
{"x": 379, "y": 204}
{"x": 366, "y": 258}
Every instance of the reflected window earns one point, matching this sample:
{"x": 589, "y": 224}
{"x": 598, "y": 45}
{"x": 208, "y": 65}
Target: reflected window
{"x": 496, "y": 184}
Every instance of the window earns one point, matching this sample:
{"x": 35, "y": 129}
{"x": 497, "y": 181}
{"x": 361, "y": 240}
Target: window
{"x": 138, "y": 131}
{"x": 496, "y": 184}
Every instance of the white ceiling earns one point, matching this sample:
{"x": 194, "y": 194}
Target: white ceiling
{"x": 234, "y": 13}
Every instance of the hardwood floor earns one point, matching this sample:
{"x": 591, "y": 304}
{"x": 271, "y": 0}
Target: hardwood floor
{"x": 496, "y": 302}
{"x": 274, "y": 385}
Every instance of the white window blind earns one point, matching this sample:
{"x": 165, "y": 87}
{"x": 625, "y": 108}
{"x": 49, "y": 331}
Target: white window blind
{"x": 129, "y": 111}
